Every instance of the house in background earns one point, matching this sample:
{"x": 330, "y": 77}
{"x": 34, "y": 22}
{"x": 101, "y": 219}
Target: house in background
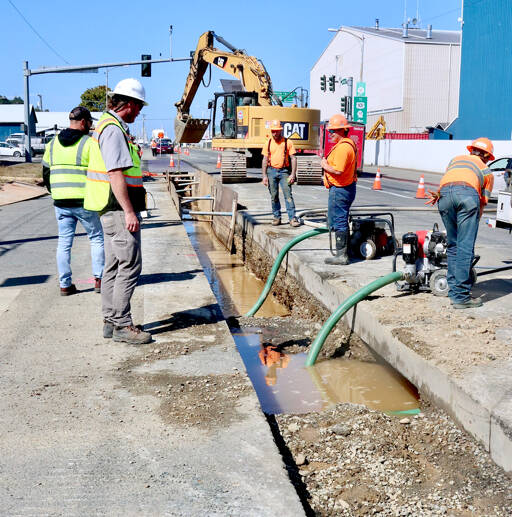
{"x": 12, "y": 120}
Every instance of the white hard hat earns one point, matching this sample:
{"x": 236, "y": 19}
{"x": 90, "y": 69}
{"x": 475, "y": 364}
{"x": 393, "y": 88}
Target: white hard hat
{"x": 130, "y": 88}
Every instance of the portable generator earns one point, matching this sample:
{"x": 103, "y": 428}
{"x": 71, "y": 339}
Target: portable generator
{"x": 372, "y": 235}
{"x": 426, "y": 263}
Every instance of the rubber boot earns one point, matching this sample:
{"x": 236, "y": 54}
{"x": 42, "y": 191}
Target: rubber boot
{"x": 341, "y": 258}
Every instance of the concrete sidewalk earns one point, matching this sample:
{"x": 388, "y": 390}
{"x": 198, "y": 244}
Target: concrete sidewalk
{"x": 94, "y": 427}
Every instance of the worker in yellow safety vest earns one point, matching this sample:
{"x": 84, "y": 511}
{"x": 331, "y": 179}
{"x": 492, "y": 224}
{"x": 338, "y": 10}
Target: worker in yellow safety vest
{"x": 463, "y": 192}
{"x": 114, "y": 189}
{"x": 65, "y": 163}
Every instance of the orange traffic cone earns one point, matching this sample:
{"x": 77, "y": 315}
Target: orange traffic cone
{"x": 376, "y": 183}
{"x": 171, "y": 161}
{"x": 420, "y": 193}
{"x": 219, "y": 164}
{"x": 187, "y": 152}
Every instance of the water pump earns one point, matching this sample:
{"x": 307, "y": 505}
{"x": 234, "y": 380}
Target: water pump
{"x": 426, "y": 263}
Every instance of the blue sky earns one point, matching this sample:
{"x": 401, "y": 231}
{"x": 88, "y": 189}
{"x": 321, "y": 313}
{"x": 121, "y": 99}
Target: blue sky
{"x": 288, "y": 40}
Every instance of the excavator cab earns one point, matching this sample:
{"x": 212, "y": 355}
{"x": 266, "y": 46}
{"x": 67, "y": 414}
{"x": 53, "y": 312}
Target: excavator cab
{"x": 225, "y": 107}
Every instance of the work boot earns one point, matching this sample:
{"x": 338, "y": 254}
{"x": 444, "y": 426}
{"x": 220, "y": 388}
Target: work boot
{"x": 97, "y": 285}
{"x": 108, "y": 329}
{"x": 341, "y": 258}
{"x": 294, "y": 222}
{"x": 67, "y": 291}
{"x": 132, "y": 335}
{"x": 276, "y": 221}
{"x": 472, "y": 303}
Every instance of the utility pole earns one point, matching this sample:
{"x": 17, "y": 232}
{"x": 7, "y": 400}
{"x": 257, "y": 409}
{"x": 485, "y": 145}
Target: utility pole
{"x": 143, "y": 128}
{"x": 26, "y": 73}
{"x": 106, "y": 88}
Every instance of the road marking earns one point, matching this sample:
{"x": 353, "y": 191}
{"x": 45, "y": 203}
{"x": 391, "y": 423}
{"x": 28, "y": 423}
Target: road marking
{"x": 382, "y": 191}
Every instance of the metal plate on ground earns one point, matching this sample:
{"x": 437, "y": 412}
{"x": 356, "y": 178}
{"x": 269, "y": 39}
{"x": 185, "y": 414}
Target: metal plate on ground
{"x": 16, "y": 191}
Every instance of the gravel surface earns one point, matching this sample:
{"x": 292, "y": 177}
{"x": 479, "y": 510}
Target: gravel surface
{"x": 350, "y": 460}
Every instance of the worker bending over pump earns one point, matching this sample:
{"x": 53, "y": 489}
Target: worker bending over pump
{"x": 340, "y": 177}
{"x": 463, "y": 192}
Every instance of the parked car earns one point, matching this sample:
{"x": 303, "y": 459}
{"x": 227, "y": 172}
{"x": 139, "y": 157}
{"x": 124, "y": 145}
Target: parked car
{"x": 500, "y": 168}
{"x": 165, "y": 146}
{"x": 9, "y": 150}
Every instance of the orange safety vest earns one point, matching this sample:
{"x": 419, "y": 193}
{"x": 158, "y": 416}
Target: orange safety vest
{"x": 470, "y": 169}
{"x": 342, "y": 178}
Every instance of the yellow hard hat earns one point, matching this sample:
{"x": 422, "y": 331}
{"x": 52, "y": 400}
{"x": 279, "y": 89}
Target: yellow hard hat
{"x": 484, "y": 144}
{"x": 275, "y": 125}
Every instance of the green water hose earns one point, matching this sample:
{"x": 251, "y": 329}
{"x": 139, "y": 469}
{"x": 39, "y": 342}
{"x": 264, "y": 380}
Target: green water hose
{"x": 358, "y": 296}
{"x": 277, "y": 264}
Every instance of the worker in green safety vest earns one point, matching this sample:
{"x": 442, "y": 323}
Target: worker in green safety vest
{"x": 65, "y": 163}
{"x": 114, "y": 189}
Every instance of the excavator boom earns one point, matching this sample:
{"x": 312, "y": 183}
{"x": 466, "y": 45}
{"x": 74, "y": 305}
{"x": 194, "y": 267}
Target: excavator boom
{"x": 248, "y": 69}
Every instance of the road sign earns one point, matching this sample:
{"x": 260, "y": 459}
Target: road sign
{"x": 286, "y": 96}
{"x": 360, "y": 108}
{"x": 361, "y": 89}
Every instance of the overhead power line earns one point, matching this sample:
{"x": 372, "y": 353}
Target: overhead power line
{"x": 37, "y": 33}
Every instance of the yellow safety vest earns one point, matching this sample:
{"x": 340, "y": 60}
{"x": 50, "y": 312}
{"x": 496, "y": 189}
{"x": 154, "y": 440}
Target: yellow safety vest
{"x": 97, "y": 189}
{"x": 68, "y": 167}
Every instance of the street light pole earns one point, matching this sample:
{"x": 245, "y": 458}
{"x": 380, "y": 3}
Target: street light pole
{"x": 26, "y": 73}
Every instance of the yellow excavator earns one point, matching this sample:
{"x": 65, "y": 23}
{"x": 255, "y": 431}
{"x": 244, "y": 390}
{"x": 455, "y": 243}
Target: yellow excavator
{"x": 244, "y": 116}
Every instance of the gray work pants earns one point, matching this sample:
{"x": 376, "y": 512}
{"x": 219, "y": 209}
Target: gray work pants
{"x": 123, "y": 265}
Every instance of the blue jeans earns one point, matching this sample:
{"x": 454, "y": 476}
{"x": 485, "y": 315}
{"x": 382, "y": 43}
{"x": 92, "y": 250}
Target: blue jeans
{"x": 459, "y": 207}
{"x": 66, "y": 221}
{"x": 278, "y": 177}
{"x": 338, "y": 207}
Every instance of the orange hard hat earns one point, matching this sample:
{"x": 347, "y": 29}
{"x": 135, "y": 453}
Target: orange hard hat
{"x": 484, "y": 144}
{"x": 275, "y": 125}
{"x": 338, "y": 121}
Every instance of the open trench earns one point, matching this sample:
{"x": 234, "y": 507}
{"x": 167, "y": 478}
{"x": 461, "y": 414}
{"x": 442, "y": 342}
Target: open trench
{"x": 355, "y": 436}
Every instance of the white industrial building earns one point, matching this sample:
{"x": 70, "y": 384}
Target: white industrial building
{"x": 411, "y": 75}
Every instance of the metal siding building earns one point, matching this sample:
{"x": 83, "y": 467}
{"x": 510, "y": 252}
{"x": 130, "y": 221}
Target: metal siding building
{"x": 486, "y": 73}
{"x": 12, "y": 118}
{"x": 413, "y": 82}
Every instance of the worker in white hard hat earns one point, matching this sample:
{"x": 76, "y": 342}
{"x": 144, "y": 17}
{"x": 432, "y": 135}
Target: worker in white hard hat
{"x": 114, "y": 189}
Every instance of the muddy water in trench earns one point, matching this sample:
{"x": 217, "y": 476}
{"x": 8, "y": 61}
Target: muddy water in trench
{"x": 282, "y": 382}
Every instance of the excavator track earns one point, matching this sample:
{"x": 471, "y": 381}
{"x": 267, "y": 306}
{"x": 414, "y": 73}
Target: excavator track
{"x": 309, "y": 170}
{"x": 233, "y": 167}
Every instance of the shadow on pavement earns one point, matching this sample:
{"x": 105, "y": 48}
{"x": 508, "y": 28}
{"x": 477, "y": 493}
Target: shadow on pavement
{"x": 156, "y": 278}
{"x": 184, "y": 319}
{"x": 24, "y": 280}
{"x": 493, "y": 289}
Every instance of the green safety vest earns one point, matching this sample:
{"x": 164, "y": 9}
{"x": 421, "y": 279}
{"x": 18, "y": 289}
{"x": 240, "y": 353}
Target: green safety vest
{"x": 97, "y": 188}
{"x": 68, "y": 167}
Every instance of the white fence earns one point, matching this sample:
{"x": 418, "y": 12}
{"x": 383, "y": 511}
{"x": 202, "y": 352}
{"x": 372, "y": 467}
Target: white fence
{"x": 427, "y": 155}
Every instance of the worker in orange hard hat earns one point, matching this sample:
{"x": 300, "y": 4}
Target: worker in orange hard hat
{"x": 340, "y": 177}
{"x": 279, "y": 168}
{"x": 463, "y": 192}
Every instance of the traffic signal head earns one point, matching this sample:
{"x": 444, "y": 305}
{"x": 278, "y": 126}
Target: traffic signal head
{"x": 332, "y": 83}
{"x": 323, "y": 83}
{"x": 145, "y": 67}
{"x": 343, "y": 104}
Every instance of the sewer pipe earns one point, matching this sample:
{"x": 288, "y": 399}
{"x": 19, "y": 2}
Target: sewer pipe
{"x": 333, "y": 319}
{"x": 277, "y": 264}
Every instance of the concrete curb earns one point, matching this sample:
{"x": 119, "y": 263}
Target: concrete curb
{"x": 482, "y": 407}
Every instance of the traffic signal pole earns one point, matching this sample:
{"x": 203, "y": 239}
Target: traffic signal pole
{"x": 80, "y": 68}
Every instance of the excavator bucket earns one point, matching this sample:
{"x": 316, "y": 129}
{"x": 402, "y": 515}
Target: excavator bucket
{"x": 191, "y": 130}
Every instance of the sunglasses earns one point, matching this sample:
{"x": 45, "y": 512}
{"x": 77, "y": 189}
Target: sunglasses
{"x": 331, "y": 131}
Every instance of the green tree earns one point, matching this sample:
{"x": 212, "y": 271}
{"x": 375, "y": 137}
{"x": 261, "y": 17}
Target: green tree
{"x": 94, "y": 98}
{"x": 15, "y": 100}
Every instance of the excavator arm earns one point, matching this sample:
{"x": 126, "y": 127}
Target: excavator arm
{"x": 248, "y": 69}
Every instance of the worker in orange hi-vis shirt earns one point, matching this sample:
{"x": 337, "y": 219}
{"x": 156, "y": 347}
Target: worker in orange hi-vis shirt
{"x": 463, "y": 193}
{"x": 279, "y": 168}
{"x": 340, "y": 177}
